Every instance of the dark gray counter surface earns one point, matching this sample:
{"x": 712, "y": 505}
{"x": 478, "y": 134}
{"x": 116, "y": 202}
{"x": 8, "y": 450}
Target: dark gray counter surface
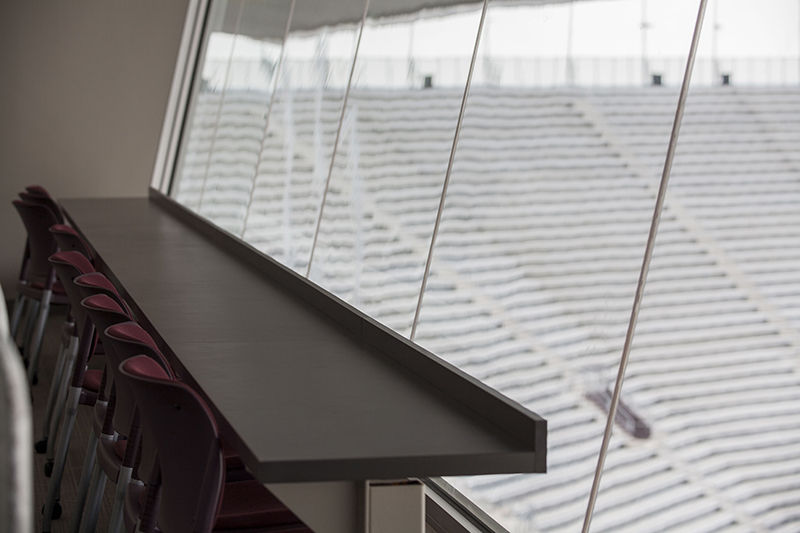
{"x": 305, "y": 387}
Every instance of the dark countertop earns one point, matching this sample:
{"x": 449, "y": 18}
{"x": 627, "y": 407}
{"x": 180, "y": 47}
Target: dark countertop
{"x": 306, "y": 388}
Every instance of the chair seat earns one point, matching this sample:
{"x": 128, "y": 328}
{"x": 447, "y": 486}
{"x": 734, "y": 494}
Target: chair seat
{"x": 247, "y": 504}
{"x": 58, "y": 288}
{"x": 36, "y": 290}
{"x": 232, "y": 459}
{"x": 92, "y": 379}
{"x": 91, "y": 386}
{"x": 133, "y": 332}
{"x": 111, "y": 454}
{"x": 234, "y": 466}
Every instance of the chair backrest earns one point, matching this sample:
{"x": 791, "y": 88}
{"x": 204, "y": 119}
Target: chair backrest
{"x": 36, "y": 194}
{"x": 179, "y": 428}
{"x": 45, "y": 200}
{"x": 130, "y": 339}
{"x": 37, "y": 220}
{"x": 37, "y": 189}
{"x": 23, "y": 267}
{"x": 69, "y": 239}
{"x": 104, "y": 311}
{"x": 68, "y": 266}
{"x": 97, "y": 283}
{"x": 16, "y": 429}
{"x": 124, "y": 340}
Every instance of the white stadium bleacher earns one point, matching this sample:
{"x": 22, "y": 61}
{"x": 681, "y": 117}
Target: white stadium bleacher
{"x": 535, "y": 269}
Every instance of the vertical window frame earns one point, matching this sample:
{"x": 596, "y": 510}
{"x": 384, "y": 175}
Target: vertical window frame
{"x": 190, "y": 55}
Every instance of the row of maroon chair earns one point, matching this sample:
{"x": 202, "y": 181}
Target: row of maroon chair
{"x": 153, "y": 436}
{"x": 88, "y": 387}
{"x": 36, "y": 287}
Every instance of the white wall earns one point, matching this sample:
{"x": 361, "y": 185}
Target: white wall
{"x": 83, "y": 89}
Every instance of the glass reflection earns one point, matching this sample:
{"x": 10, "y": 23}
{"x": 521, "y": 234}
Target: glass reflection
{"x": 243, "y": 116}
{"x": 242, "y": 87}
{"x": 297, "y": 149}
{"x": 207, "y": 94}
{"x": 543, "y": 233}
{"x": 537, "y": 260}
{"x": 390, "y": 166}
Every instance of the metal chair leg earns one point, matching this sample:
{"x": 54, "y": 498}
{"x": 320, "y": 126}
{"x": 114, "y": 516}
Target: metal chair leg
{"x": 89, "y": 465}
{"x": 38, "y": 335}
{"x": 124, "y": 477}
{"x": 31, "y": 311}
{"x": 61, "y": 401}
{"x": 95, "y": 498}
{"x": 54, "y": 487}
{"x": 20, "y": 334}
{"x": 55, "y": 387}
{"x": 41, "y": 445}
{"x": 16, "y": 315}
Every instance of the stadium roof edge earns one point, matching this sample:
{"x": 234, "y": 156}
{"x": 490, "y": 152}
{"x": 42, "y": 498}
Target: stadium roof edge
{"x": 308, "y": 15}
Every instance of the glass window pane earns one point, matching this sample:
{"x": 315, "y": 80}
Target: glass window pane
{"x": 394, "y": 148}
{"x": 552, "y": 190}
{"x": 537, "y": 260}
{"x": 201, "y": 118}
{"x": 296, "y": 153}
{"x": 227, "y": 121}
